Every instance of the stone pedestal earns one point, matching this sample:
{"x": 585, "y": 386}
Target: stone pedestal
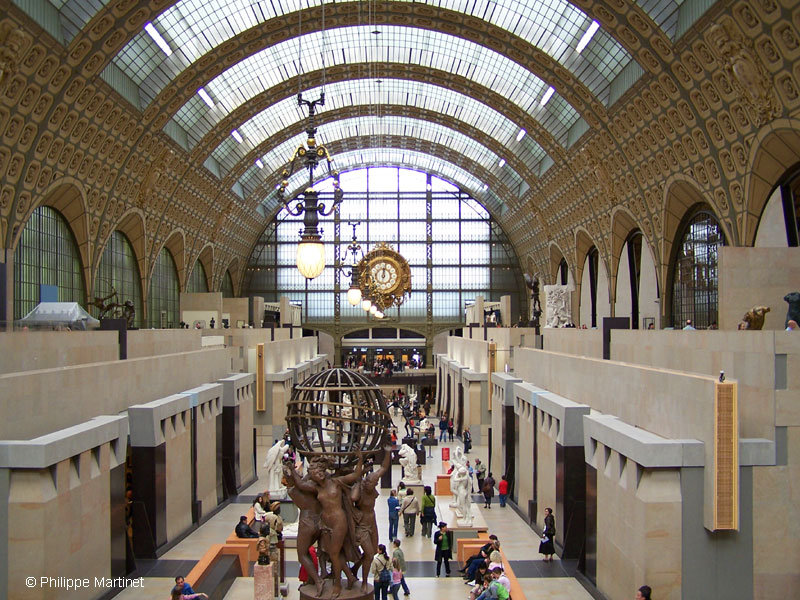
{"x": 264, "y": 582}
{"x": 309, "y": 591}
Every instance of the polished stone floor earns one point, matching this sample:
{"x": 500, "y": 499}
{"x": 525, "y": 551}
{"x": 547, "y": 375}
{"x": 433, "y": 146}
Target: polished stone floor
{"x": 539, "y": 580}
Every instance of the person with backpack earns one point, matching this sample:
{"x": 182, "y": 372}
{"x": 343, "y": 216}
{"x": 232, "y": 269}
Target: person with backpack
{"x": 381, "y": 573}
{"x": 480, "y": 473}
{"x": 488, "y": 491}
{"x": 428, "y": 517}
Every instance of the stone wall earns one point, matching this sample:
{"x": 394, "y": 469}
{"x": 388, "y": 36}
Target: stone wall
{"x": 578, "y": 342}
{"x": 81, "y": 392}
{"x": 751, "y": 277}
{"x": 34, "y": 350}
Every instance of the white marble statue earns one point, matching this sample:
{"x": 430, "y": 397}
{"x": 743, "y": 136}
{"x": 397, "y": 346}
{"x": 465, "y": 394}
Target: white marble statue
{"x": 457, "y": 461}
{"x": 460, "y": 487}
{"x": 559, "y": 309}
{"x": 274, "y": 469}
{"x": 408, "y": 460}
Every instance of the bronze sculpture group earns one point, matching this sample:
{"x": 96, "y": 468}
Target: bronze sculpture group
{"x": 337, "y": 511}
{"x": 109, "y": 307}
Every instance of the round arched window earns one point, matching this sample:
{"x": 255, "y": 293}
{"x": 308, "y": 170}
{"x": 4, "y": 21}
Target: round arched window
{"x": 694, "y": 272}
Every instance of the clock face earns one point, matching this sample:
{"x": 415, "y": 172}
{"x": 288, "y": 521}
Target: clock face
{"x": 385, "y": 275}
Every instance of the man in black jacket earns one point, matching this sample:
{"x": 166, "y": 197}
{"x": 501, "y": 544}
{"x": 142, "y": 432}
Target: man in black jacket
{"x": 243, "y": 530}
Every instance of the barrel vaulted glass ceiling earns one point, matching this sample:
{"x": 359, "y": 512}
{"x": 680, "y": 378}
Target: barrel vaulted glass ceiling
{"x": 378, "y": 128}
{"x": 365, "y": 95}
{"x": 402, "y": 45}
{"x": 194, "y": 27}
{"x": 357, "y": 159}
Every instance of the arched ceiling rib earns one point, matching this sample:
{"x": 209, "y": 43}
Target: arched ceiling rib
{"x": 248, "y": 174}
{"x": 380, "y": 127}
{"x": 404, "y": 45}
{"x": 355, "y": 152}
{"x": 409, "y": 75}
{"x": 372, "y": 97}
{"x": 195, "y": 27}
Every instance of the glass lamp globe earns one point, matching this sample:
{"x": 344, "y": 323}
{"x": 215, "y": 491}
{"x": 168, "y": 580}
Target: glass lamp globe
{"x": 354, "y": 295}
{"x": 373, "y": 309}
{"x": 366, "y": 304}
{"x": 310, "y": 258}
{"x": 379, "y": 315}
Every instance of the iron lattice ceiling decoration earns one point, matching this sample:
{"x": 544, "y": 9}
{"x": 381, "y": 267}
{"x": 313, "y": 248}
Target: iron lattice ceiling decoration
{"x": 384, "y": 276}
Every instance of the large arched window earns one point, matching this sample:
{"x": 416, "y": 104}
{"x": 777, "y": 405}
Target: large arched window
{"x": 592, "y": 263}
{"x": 227, "y": 285}
{"x": 563, "y": 272}
{"x": 198, "y": 283}
{"x": 164, "y": 293}
{"x": 634, "y": 248}
{"x": 455, "y": 249}
{"x": 46, "y": 263}
{"x": 694, "y": 271}
{"x": 118, "y": 271}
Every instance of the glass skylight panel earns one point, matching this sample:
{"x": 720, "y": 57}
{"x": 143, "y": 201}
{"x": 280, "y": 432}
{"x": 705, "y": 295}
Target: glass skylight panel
{"x": 554, "y": 26}
{"x": 664, "y": 14}
{"x": 276, "y": 159}
{"x": 356, "y": 159}
{"x": 267, "y": 68}
{"x": 366, "y": 93}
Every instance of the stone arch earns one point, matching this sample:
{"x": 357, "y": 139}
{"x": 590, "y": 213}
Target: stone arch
{"x": 556, "y": 256}
{"x": 132, "y": 224}
{"x": 68, "y": 197}
{"x": 205, "y": 258}
{"x": 774, "y": 151}
{"x": 236, "y": 276}
{"x": 176, "y": 244}
{"x": 681, "y": 195}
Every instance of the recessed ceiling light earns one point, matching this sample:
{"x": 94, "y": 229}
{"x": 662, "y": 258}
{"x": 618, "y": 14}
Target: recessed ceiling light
{"x": 485, "y": 187}
{"x": 521, "y": 134}
{"x": 206, "y": 98}
{"x": 237, "y": 136}
{"x": 259, "y": 164}
{"x": 547, "y": 95}
{"x": 587, "y": 36}
{"x": 502, "y": 162}
{"x": 162, "y": 43}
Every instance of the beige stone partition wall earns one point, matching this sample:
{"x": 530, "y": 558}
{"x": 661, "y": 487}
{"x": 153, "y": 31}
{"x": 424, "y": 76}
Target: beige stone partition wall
{"x": 766, "y": 364}
{"x": 750, "y": 277}
{"x": 65, "y": 513}
{"x": 669, "y": 403}
{"x": 163, "y": 426}
{"x": 87, "y": 390}
{"x": 156, "y": 342}
{"x": 239, "y": 398}
{"x": 525, "y": 411}
{"x": 35, "y": 350}
{"x": 578, "y": 342}
{"x": 206, "y": 401}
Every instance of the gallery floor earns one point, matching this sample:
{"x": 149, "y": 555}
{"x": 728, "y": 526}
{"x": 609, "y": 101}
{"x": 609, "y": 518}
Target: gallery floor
{"x": 539, "y": 580}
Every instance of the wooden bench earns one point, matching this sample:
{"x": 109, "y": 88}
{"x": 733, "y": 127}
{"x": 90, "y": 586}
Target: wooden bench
{"x": 467, "y": 547}
{"x": 249, "y": 543}
{"x": 516, "y": 588}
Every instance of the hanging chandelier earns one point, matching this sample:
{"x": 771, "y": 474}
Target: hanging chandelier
{"x": 311, "y": 250}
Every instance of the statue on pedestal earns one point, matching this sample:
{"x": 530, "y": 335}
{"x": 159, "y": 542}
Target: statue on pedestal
{"x": 274, "y": 469}
{"x": 339, "y": 422}
{"x": 408, "y": 460}
{"x": 460, "y": 486}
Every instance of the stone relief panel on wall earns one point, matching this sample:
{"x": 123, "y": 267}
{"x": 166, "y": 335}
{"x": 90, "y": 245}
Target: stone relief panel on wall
{"x": 559, "y": 308}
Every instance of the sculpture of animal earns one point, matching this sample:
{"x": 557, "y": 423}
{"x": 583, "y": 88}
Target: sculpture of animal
{"x": 754, "y": 318}
{"x": 793, "y": 314}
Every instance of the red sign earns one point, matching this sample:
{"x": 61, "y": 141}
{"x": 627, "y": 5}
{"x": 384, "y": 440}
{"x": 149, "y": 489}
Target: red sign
{"x": 445, "y": 453}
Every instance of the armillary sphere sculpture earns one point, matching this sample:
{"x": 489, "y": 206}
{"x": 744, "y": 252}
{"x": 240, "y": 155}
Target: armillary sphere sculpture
{"x": 338, "y": 421}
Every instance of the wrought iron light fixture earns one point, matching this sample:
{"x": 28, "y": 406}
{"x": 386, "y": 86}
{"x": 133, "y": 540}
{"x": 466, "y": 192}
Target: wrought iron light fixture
{"x": 354, "y": 294}
{"x": 311, "y": 250}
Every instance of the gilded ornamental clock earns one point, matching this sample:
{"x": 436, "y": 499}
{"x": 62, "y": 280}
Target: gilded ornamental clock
{"x": 385, "y": 276}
